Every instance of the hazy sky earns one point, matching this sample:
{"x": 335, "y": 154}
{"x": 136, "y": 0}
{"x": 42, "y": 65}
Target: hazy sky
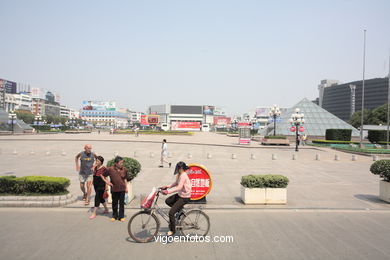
{"x": 234, "y": 54}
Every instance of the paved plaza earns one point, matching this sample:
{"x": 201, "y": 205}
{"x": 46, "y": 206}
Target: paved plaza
{"x": 333, "y": 210}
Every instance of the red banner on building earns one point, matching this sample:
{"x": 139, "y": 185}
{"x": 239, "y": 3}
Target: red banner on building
{"x": 200, "y": 181}
{"x": 185, "y": 125}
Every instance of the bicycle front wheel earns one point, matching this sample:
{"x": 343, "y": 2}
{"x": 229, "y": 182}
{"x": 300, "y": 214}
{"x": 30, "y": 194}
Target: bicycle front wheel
{"x": 195, "y": 222}
{"x": 143, "y": 227}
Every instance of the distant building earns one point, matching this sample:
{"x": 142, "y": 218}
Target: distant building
{"x": 187, "y": 117}
{"x": 104, "y": 113}
{"x": 343, "y": 100}
{"x": 15, "y": 102}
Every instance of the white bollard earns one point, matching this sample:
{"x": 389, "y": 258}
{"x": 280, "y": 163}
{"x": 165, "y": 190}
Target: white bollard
{"x": 48, "y": 153}
{"x": 354, "y": 157}
{"x": 135, "y": 153}
{"x": 253, "y": 157}
{"x": 274, "y": 157}
{"x": 375, "y": 158}
{"x": 151, "y": 155}
{"x": 336, "y": 157}
{"x": 15, "y": 152}
{"x": 189, "y": 155}
{"x": 294, "y": 156}
{"x": 32, "y": 152}
{"x": 170, "y": 154}
{"x": 234, "y": 156}
{"x": 116, "y": 154}
{"x": 63, "y": 153}
{"x": 1, "y": 151}
{"x": 209, "y": 156}
{"x": 317, "y": 157}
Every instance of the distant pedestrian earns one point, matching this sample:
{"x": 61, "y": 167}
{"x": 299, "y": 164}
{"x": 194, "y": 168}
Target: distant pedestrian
{"x": 100, "y": 184}
{"x": 136, "y": 131}
{"x": 164, "y": 154}
{"x": 118, "y": 179}
{"x": 304, "y": 138}
{"x": 87, "y": 159}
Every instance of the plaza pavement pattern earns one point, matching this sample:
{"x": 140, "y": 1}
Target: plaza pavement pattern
{"x": 333, "y": 210}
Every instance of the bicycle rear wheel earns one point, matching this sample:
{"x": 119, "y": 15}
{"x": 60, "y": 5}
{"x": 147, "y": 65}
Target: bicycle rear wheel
{"x": 195, "y": 222}
{"x": 143, "y": 227}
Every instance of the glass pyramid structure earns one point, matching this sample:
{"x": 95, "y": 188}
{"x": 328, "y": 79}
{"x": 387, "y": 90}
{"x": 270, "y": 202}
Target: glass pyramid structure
{"x": 317, "y": 120}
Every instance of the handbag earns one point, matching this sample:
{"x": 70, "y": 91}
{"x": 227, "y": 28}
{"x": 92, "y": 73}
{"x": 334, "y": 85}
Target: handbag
{"x": 105, "y": 195}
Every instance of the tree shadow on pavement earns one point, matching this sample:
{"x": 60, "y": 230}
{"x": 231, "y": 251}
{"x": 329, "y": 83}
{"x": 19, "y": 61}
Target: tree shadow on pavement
{"x": 371, "y": 198}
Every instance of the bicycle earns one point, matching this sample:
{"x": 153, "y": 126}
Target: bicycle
{"x": 144, "y": 225}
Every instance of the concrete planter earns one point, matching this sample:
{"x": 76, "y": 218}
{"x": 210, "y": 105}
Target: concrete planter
{"x": 384, "y": 190}
{"x": 129, "y": 189}
{"x": 264, "y": 195}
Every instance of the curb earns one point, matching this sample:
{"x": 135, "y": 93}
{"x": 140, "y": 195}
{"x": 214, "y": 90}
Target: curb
{"x": 37, "y": 201}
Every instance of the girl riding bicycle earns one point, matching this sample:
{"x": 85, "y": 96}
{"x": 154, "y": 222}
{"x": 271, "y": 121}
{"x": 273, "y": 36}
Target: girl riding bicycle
{"x": 182, "y": 186}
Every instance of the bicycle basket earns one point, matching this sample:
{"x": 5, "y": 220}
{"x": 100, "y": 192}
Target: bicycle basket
{"x": 147, "y": 202}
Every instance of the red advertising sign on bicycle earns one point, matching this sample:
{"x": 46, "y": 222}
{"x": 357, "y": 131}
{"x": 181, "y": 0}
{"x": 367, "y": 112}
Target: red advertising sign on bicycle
{"x": 200, "y": 181}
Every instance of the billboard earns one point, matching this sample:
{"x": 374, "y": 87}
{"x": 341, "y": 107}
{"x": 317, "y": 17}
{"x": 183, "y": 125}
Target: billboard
{"x": 186, "y": 126}
{"x": 186, "y": 110}
{"x": 208, "y": 110}
{"x": 99, "y": 105}
{"x": 150, "y": 120}
{"x": 10, "y": 87}
{"x": 222, "y": 120}
{"x": 262, "y": 112}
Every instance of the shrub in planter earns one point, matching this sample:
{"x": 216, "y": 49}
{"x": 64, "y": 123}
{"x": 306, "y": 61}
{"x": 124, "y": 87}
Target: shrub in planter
{"x": 264, "y": 181}
{"x": 132, "y": 165}
{"x": 338, "y": 134}
{"x": 381, "y": 168}
{"x": 33, "y": 184}
{"x": 376, "y": 136}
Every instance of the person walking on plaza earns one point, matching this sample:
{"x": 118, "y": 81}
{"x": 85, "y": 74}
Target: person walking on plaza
{"x": 304, "y": 138}
{"x": 164, "y": 154}
{"x": 118, "y": 179}
{"x": 87, "y": 159}
{"x": 100, "y": 184}
{"x": 182, "y": 186}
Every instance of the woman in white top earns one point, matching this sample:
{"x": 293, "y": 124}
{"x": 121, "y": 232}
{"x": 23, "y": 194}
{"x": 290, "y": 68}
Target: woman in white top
{"x": 182, "y": 186}
{"x": 164, "y": 154}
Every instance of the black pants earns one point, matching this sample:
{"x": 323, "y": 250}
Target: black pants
{"x": 118, "y": 197}
{"x": 99, "y": 196}
{"x": 176, "y": 203}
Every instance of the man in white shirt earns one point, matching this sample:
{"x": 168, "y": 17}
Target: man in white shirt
{"x": 164, "y": 154}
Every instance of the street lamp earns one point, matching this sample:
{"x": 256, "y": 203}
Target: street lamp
{"x": 37, "y": 119}
{"x": 12, "y": 117}
{"x": 274, "y": 112}
{"x": 297, "y": 120}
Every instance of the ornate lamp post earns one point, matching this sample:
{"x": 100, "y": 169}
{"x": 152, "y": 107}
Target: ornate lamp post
{"x": 37, "y": 119}
{"x": 274, "y": 112}
{"x": 12, "y": 119}
{"x": 296, "y": 121}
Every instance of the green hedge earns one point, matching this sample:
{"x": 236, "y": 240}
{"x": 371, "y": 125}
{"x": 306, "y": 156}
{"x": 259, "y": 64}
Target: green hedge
{"x": 33, "y": 184}
{"x": 132, "y": 165}
{"x": 364, "y": 150}
{"x": 381, "y": 168}
{"x": 318, "y": 141}
{"x": 264, "y": 181}
{"x": 275, "y": 137}
{"x": 376, "y": 136}
{"x": 338, "y": 134}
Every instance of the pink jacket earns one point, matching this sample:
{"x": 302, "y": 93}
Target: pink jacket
{"x": 182, "y": 186}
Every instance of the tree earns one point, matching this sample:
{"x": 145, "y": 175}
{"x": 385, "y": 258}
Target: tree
{"x": 376, "y": 116}
{"x": 26, "y": 116}
{"x": 356, "y": 118}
